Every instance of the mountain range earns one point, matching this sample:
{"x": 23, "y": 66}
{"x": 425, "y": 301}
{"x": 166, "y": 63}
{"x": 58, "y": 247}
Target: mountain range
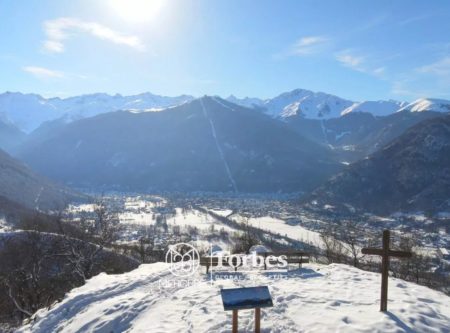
{"x": 28, "y": 111}
{"x": 296, "y": 142}
{"x": 207, "y": 144}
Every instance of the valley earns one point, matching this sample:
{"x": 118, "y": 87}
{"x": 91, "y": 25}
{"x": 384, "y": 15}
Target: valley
{"x": 97, "y": 189}
{"x": 214, "y": 218}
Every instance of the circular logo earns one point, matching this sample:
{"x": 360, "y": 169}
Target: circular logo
{"x": 183, "y": 258}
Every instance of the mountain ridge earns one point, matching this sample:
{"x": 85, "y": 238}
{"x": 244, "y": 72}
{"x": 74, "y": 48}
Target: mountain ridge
{"x": 28, "y": 111}
{"x": 411, "y": 173}
{"x": 209, "y": 135}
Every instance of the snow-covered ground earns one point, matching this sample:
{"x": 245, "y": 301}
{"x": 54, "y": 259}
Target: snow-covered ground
{"x": 3, "y": 224}
{"x": 280, "y": 227}
{"x": 196, "y": 219}
{"x": 189, "y": 218}
{"x": 334, "y": 298}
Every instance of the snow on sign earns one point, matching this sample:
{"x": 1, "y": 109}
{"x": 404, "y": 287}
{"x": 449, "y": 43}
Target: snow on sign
{"x": 246, "y": 298}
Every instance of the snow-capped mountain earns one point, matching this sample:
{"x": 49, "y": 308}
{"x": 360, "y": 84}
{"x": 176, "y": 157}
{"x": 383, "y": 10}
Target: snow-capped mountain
{"x": 307, "y": 104}
{"x": 90, "y": 105}
{"x": 316, "y": 105}
{"x": 377, "y": 108}
{"x": 26, "y": 111}
{"x": 29, "y": 111}
{"x": 428, "y": 104}
{"x": 250, "y": 102}
{"x": 222, "y": 146}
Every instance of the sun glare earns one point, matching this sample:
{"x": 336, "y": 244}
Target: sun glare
{"x": 137, "y": 10}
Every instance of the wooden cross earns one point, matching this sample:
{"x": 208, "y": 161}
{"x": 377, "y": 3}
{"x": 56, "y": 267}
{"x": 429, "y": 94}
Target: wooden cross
{"x": 385, "y": 253}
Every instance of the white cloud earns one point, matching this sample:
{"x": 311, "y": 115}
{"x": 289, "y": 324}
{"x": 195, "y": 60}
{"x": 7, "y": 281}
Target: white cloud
{"x": 307, "y": 45}
{"x": 380, "y": 71}
{"x": 42, "y": 73}
{"x": 359, "y": 63}
{"x": 59, "y": 30}
{"x": 351, "y": 61}
{"x": 439, "y": 68}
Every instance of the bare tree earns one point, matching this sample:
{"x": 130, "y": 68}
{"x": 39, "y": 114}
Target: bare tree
{"x": 351, "y": 236}
{"x": 245, "y": 239}
{"x": 333, "y": 247}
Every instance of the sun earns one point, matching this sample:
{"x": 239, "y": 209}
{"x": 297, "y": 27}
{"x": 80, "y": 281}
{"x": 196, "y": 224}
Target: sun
{"x": 137, "y": 10}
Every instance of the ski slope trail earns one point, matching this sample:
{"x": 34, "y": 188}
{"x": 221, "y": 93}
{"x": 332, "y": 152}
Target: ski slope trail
{"x": 316, "y": 298}
{"x": 219, "y": 149}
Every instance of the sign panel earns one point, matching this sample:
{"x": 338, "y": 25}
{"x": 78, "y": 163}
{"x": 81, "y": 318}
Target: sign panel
{"x": 246, "y": 298}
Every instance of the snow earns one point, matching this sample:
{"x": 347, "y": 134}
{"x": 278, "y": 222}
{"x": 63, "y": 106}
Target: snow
{"x": 81, "y": 208}
{"x": 428, "y": 104}
{"x": 29, "y": 111}
{"x": 281, "y": 228}
{"x": 196, "y": 219}
{"x": 249, "y": 102}
{"x": 377, "y": 108}
{"x": 259, "y": 249}
{"x": 305, "y": 103}
{"x": 316, "y": 298}
{"x": 4, "y": 227}
{"x": 191, "y": 218}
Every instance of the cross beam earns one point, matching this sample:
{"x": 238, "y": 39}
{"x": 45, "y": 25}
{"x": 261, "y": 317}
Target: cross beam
{"x": 385, "y": 253}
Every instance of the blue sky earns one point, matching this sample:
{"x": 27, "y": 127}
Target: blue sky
{"x": 360, "y": 50}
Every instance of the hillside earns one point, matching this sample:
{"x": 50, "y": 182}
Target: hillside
{"x": 205, "y": 145}
{"x": 410, "y": 174}
{"x": 21, "y": 185}
{"x": 358, "y": 134}
{"x": 313, "y": 299}
{"x": 10, "y": 136}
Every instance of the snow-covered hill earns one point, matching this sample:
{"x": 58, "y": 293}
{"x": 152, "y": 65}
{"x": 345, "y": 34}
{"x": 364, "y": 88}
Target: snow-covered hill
{"x": 334, "y": 298}
{"x": 428, "y": 104}
{"x": 377, "y": 108}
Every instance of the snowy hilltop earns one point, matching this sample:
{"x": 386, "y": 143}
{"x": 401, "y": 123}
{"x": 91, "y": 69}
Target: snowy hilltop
{"x": 316, "y": 298}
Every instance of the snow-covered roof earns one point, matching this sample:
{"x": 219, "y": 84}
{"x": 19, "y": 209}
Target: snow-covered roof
{"x": 259, "y": 249}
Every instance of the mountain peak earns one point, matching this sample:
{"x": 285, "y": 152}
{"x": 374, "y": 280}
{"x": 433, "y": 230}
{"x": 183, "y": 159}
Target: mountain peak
{"x": 428, "y": 104}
